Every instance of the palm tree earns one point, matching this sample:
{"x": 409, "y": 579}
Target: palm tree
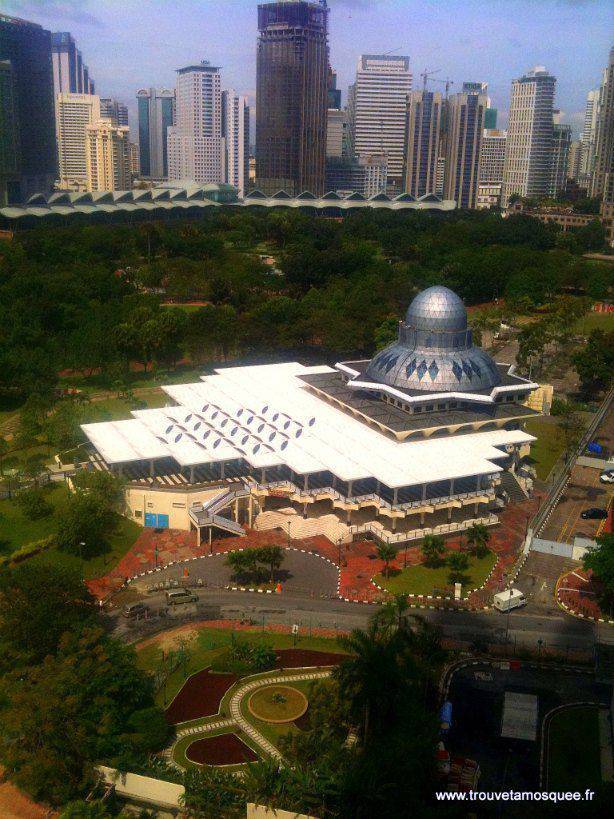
{"x": 370, "y": 676}
{"x": 478, "y": 537}
{"x": 458, "y": 564}
{"x": 433, "y": 547}
{"x": 386, "y": 552}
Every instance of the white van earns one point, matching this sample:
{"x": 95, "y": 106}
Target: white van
{"x": 175, "y": 598}
{"x": 509, "y": 599}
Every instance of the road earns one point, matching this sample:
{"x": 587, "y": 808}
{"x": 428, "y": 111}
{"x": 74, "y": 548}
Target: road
{"x": 524, "y": 628}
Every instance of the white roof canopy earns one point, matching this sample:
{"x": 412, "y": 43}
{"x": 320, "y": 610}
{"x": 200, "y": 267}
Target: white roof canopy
{"x": 266, "y": 415}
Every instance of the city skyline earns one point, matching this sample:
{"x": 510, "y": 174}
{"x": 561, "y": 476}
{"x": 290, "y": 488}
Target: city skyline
{"x": 505, "y": 41}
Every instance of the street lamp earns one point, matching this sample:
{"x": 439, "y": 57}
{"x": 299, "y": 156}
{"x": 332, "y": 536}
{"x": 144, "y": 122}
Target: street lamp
{"x": 339, "y": 542}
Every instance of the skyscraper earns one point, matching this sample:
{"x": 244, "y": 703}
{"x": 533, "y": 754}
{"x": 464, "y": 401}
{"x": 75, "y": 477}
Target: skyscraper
{"x": 424, "y": 114}
{"x": 561, "y": 141}
{"x": 116, "y": 111}
{"x": 235, "y": 133}
{"x": 528, "y": 152}
{"x": 291, "y": 96}
{"x": 27, "y": 46}
{"x": 334, "y": 93}
{"x": 156, "y": 109}
{"x": 336, "y": 124}
{"x": 195, "y": 142}
{"x": 108, "y": 157}
{"x": 492, "y": 156}
{"x": 70, "y": 74}
{"x": 589, "y": 137}
{"x": 9, "y": 131}
{"x": 73, "y": 113}
{"x": 465, "y": 124}
{"x": 603, "y": 175}
{"x": 380, "y": 95}
{"x": 574, "y": 160}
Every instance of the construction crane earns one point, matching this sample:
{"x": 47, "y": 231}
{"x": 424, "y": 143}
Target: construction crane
{"x": 426, "y": 75}
{"x": 448, "y": 83}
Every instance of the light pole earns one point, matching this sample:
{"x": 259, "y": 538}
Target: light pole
{"x": 339, "y": 541}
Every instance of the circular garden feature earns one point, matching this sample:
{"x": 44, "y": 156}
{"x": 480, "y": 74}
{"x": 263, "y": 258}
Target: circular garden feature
{"x": 277, "y": 703}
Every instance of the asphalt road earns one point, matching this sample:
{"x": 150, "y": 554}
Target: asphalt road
{"x": 523, "y": 629}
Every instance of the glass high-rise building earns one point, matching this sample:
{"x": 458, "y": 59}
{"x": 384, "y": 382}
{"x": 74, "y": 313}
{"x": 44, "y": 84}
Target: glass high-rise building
{"x": 116, "y": 111}
{"x": 530, "y": 133}
{"x": 292, "y": 96}
{"x": 465, "y": 124}
{"x": 27, "y": 46}
{"x": 156, "y": 110}
{"x": 423, "y": 142}
{"x": 70, "y": 74}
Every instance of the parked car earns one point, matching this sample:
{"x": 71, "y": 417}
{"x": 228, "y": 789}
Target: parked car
{"x": 607, "y": 476}
{"x": 175, "y": 598}
{"x": 135, "y": 610}
{"x": 594, "y": 513}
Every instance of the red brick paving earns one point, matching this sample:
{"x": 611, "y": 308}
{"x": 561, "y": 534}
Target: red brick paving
{"x": 579, "y": 591}
{"x": 359, "y": 560}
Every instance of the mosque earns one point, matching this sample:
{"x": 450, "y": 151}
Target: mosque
{"x": 424, "y": 438}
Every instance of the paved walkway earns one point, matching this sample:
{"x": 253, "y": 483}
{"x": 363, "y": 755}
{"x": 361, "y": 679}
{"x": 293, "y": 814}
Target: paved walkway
{"x": 237, "y": 720}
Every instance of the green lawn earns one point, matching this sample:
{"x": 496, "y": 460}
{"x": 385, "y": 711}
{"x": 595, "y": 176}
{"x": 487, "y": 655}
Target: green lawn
{"x": 208, "y": 648}
{"x": 269, "y": 730}
{"x": 120, "y": 541}
{"x": 550, "y": 443}
{"x": 422, "y": 579}
{"x": 17, "y": 531}
{"x": 574, "y": 761}
{"x": 595, "y": 321}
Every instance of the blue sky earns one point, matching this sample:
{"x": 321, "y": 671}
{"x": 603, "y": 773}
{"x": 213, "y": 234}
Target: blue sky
{"x": 129, "y": 44}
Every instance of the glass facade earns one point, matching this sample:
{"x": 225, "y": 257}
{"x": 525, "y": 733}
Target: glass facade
{"x": 28, "y": 47}
{"x": 291, "y": 97}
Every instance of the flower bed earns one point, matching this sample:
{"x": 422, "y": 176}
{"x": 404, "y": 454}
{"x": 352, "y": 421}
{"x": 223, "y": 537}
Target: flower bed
{"x": 224, "y": 749}
{"x": 200, "y": 696}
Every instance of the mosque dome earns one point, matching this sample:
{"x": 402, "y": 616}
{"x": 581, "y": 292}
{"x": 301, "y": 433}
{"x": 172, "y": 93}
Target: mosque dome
{"x": 434, "y": 351}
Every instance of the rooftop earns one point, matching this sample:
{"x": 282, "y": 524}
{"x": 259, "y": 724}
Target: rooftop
{"x": 266, "y": 416}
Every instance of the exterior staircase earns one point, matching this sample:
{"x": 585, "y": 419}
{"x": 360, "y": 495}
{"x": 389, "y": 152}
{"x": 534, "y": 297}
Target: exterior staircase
{"x": 298, "y": 527}
{"x": 509, "y": 482}
{"x": 206, "y": 514}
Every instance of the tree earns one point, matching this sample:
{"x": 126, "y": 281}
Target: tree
{"x": 594, "y": 363}
{"x": 62, "y": 428}
{"x": 386, "y": 552}
{"x": 213, "y": 792}
{"x": 458, "y": 563}
{"x": 63, "y": 715}
{"x": 33, "y": 503}
{"x": 478, "y": 537}
{"x": 271, "y": 556}
{"x": 90, "y": 514}
{"x": 39, "y": 602}
{"x": 433, "y": 547}
{"x": 601, "y": 562}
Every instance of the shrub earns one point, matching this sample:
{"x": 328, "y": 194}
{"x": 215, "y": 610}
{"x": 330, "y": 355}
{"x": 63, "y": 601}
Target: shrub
{"x": 33, "y": 503}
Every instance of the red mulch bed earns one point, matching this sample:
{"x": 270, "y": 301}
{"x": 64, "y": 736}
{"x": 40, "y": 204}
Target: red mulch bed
{"x": 200, "y": 696}
{"x": 225, "y": 749}
{"x": 299, "y": 657}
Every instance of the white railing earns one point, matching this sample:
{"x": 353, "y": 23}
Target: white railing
{"x": 373, "y": 496}
{"x": 416, "y": 534}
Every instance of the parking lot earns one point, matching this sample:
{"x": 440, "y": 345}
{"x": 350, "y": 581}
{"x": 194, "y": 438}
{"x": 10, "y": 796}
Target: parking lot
{"x": 583, "y": 491}
{"x": 480, "y": 690}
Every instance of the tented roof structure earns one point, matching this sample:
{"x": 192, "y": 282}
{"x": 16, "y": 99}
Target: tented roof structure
{"x": 267, "y": 416}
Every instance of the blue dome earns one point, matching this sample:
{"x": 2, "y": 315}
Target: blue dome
{"x": 434, "y": 351}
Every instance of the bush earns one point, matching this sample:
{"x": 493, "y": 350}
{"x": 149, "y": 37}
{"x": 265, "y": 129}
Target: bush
{"x": 243, "y": 658}
{"x": 33, "y": 503}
